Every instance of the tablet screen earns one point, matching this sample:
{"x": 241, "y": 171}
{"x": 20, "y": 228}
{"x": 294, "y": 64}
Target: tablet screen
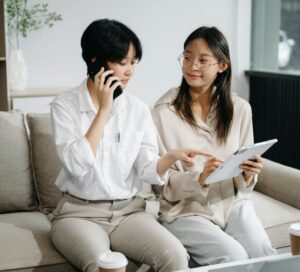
{"x": 230, "y": 168}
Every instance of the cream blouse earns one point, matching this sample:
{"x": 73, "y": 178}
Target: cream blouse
{"x": 182, "y": 194}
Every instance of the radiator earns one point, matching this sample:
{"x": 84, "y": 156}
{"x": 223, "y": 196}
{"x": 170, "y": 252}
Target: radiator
{"x": 275, "y": 101}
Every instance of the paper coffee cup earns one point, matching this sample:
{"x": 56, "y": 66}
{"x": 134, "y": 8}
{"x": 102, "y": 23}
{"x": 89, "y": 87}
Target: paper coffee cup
{"x": 112, "y": 261}
{"x": 294, "y": 230}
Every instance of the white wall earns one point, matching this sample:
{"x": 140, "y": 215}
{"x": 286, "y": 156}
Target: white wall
{"x": 54, "y": 55}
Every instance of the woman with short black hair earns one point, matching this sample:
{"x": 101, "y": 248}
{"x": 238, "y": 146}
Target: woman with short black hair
{"x": 107, "y": 146}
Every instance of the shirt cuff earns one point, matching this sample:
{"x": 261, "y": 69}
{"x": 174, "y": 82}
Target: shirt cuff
{"x": 194, "y": 185}
{"x": 151, "y": 176}
{"x": 82, "y": 157}
{"x": 242, "y": 185}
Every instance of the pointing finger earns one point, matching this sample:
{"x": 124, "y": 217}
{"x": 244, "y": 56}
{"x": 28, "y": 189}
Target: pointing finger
{"x": 200, "y": 152}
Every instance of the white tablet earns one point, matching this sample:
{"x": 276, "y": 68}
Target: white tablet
{"x": 230, "y": 168}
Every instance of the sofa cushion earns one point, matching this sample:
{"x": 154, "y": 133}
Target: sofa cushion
{"x": 276, "y": 218}
{"x": 280, "y": 182}
{"x": 46, "y": 164}
{"x": 26, "y": 245}
{"x": 16, "y": 183}
{"x": 25, "y": 241}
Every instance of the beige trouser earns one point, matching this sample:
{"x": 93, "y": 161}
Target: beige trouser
{"x": 82, "y": 231}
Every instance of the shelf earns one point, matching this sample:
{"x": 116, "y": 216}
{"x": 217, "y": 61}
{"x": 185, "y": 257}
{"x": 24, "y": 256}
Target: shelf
{"x": 37, "y": 92}
{"x": 4, "y": 99}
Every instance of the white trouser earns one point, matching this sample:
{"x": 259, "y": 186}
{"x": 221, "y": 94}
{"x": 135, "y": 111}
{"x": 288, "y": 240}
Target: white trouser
{"x": 244, "y": 236}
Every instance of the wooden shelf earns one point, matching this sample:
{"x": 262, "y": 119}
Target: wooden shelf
{"x": 4, "y": 96}
{"x": 37, "y": 92}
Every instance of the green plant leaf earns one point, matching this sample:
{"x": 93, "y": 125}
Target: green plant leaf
{"x": 23, "y": 18}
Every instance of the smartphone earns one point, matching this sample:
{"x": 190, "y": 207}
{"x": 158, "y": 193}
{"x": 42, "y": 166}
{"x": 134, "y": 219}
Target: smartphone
{"x": 95, "y": 67}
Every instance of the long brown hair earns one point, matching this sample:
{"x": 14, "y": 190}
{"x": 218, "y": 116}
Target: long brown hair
{"x": 221, "y": 99}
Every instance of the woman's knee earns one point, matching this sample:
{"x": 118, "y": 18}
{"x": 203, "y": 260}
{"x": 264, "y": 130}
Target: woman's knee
{"x": 235, "y": 255}
{"x": 81, "y": 248}
{"x": 261, "y": 248}
{"x": 170, "y": 255}
{"x": 174, "y": 257}
{"x": 232, "y": 252}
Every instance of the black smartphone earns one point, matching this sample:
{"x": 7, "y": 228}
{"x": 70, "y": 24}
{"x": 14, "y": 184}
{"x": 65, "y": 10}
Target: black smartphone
{"x": 95, "y": 67}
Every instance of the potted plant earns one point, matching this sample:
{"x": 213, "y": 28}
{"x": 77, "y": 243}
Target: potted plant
{"x": 23, "y": 18}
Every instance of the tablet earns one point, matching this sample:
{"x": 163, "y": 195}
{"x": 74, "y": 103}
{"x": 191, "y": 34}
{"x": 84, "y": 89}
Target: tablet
{"x": 230, "y": 168}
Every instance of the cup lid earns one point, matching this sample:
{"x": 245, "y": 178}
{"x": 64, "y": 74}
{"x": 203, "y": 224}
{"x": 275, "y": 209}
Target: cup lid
{"x": 295, "y": 229}
{"x": 112, "y": 260}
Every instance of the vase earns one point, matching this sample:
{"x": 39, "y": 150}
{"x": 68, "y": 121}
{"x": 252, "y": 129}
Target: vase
{"x": 18, "y": 73}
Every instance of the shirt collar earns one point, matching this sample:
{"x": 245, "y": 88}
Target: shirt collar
{"x": 170, "y": 96}
{"x": 86, "y": 103}
{"x": 120, "y": 103}
{"x": 85, "y": 100}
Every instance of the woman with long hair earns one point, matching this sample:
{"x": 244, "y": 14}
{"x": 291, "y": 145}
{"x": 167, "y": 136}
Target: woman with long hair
{"x": 215, "y": 222}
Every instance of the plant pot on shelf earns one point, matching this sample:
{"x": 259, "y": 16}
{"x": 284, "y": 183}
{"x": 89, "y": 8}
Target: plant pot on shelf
{"x": 18, "y": 73}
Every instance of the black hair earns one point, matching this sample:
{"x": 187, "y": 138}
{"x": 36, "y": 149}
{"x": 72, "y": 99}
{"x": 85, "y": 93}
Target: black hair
{"x": 108, "y": 40}
{"x": 221, "y": 99}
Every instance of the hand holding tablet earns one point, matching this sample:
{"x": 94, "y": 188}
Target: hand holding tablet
{"x": 231, "y": 167}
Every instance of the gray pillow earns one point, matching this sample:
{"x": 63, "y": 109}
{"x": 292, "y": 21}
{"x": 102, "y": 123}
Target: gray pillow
{"x": 16, "y": 183}
{"x": 46, "y": 164}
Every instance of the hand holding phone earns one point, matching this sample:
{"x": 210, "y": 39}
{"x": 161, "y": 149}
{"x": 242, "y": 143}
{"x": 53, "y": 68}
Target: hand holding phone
{"x": 94, "y": 69}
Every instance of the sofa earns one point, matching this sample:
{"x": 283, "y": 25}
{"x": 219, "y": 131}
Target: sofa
{"x": 29, "y": 166}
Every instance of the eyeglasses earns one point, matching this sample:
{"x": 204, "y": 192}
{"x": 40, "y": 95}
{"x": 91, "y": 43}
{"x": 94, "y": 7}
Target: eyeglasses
{"x": 187, "y": 61}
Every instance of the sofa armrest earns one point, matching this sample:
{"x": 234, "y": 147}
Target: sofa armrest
{"x": 280, "y": 182}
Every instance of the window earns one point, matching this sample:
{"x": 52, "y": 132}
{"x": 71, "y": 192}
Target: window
{"x": 275, "y": 35}
{"x": 289, "y": 47}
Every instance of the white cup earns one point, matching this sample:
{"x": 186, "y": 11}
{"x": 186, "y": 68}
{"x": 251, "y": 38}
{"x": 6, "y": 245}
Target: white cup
{"x": 112, "y": 262}
{"x": 294, "y": 230}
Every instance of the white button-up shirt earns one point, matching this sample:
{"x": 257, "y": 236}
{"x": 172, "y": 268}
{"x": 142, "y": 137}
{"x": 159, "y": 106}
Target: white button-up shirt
{"x": 127, "y": 152}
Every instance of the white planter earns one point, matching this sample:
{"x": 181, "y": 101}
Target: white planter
{"x": 18, "y": 74}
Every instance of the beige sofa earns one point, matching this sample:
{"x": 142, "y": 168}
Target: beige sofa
{"x": 28, "y": 168}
